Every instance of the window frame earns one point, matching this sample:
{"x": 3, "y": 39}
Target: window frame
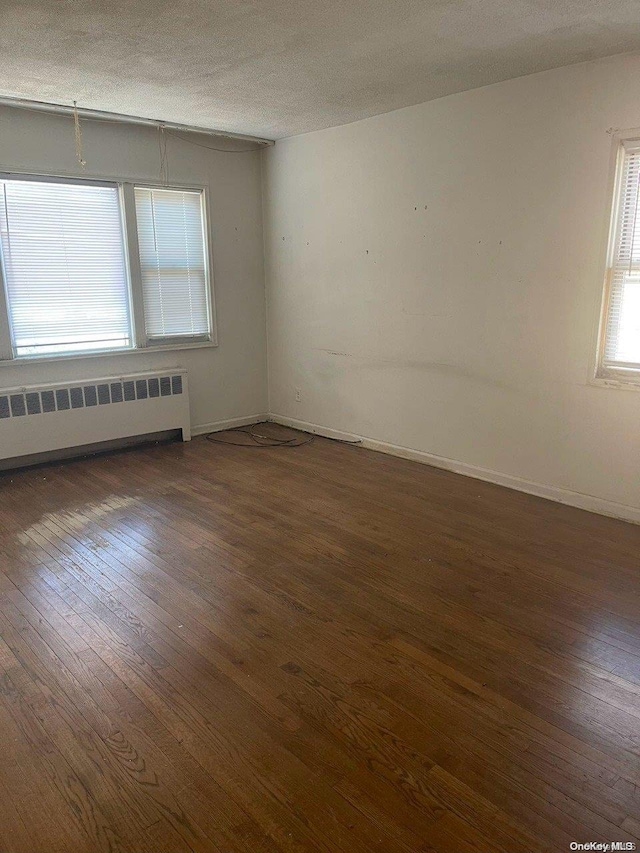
{"x": 613, "y": 376}
{"x": 140, "y": 343}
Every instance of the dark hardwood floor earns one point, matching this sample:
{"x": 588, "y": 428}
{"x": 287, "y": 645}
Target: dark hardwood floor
{"x": 226, "y": 650}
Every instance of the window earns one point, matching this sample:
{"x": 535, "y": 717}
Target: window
{"x": 65, "y": 268}
{"x": 173, "y": 263}
{"x": 71, "y": 286}
{"x": 619, "y": 356}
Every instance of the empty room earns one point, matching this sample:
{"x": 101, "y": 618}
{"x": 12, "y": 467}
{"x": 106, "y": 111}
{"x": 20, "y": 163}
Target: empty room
{"x": 319, "y": 426}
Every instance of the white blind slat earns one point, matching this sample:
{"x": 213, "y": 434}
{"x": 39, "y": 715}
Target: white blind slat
{"x": 622, "y": 335}
{"x": 173, "y": 262}
{"x": 63, "y": 253}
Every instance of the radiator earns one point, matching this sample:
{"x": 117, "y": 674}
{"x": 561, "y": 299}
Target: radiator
{"x": 63, "y": 415}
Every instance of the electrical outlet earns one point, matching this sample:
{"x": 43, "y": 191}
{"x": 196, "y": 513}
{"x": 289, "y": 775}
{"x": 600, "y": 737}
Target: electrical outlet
{"x": 298, "y": 395}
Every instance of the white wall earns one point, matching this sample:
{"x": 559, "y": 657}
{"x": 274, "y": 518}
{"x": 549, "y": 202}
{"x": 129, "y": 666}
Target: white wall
{"x": 434, "y": 278}
{"x": 228, "y": 381}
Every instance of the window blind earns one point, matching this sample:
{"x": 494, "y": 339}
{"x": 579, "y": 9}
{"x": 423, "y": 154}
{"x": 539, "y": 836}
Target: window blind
{"x": 622, "y": 337}
{"x": 173, "y": 263}
{"x": 64, "y": 264}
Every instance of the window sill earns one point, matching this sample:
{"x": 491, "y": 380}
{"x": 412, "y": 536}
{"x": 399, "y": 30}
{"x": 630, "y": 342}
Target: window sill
{"x": 625, "y": 382}
{"x": 114, "y": 353}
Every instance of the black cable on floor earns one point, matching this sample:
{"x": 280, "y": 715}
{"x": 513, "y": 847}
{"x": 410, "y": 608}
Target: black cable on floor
{"x": 258, "y": 439}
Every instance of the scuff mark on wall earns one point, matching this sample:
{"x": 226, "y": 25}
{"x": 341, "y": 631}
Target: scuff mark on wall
{"x": 334, "y": 352}
{"x": 459, "y": 371}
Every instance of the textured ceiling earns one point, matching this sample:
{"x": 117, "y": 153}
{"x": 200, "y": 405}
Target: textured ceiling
{"x": 279, "y": 67}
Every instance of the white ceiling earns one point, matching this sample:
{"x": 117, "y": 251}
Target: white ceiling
{"x": 279, "y": 67}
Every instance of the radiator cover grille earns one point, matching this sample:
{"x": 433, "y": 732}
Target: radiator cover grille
{"x": 81, "y": 395}
{"x": 40, "y": 419}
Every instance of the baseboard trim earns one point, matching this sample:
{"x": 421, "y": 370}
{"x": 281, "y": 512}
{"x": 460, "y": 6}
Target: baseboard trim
{"x": 218, "y": 426}
{"x": 591, "y": 503}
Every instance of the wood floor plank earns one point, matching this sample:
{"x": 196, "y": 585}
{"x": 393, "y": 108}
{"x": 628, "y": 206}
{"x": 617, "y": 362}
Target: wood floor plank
{"x": 325, "y": 649}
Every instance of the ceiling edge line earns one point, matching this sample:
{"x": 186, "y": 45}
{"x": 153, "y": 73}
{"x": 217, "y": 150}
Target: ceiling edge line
{"x": 122, "y": 118}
